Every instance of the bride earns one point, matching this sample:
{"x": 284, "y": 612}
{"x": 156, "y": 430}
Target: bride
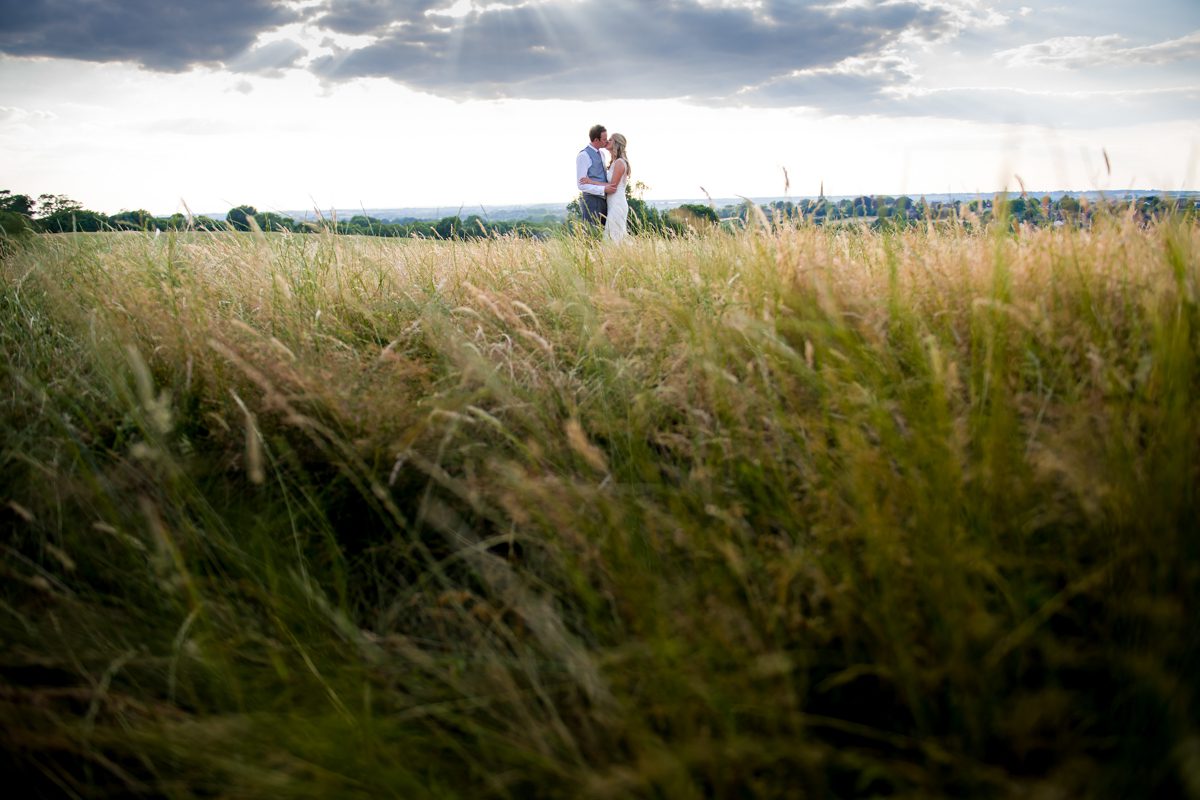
{"x": 617, "y": 221}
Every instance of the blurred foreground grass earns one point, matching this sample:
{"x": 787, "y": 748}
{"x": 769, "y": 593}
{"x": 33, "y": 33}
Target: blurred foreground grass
{"x": 800, "y": 514}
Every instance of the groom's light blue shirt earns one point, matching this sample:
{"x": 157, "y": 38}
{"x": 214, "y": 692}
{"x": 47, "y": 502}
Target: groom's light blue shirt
{"x": 589, "y": 163}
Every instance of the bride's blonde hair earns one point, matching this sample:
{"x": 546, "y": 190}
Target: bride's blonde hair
{"x": 618, "y": 150}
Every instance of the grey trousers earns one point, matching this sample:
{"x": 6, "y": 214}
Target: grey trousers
{"x": 593, "y": 208}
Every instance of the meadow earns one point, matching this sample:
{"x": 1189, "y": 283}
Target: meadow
{"x": 792, "y": 512}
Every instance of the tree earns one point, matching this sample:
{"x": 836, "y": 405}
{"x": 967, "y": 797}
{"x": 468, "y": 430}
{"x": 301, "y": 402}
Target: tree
{"x": 13, "y": 226}
{"x": 645, "y": 218}
{"x": 51, "y": 204}
{"x": 701, "y": 212}
{"x": 15, "y": 213}
{"x": 203, "y": 223}
{"x": 238, "y": 217}
{"x": 692, "y": 216}
{"x": 73, "y": 219}
{"x": 473, "y": 227}
{"x": 21, "y": 204}
{"x": 1069, "y": 207}
{"x": 363, "y": 224}
{"x": 139, "y": 220}
{"x": 1033, "y": 212}
{"x": 783, "y": 209}
{"x": 421, "y": 228}
{"x": 448, "y": 227}
{"x": 573, "y": 212}
{"x": 270, "y": 221}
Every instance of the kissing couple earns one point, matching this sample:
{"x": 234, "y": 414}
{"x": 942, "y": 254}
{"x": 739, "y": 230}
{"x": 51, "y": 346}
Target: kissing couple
{"x": 603, "y": 200}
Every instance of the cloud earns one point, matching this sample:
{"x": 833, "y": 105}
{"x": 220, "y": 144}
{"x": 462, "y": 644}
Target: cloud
{"x": 854, "y": 57}
{"x": 1067, "y": 109}
{"x": 16, "y": 114}
{"x": 854, "y": 85}
{"x": 357, "y": 17}
{"x": 270, "y": 59}
{"x": 188, "y": 126}
{"x": 159, "y": 35}
{"x": 1083, "y": 52}
{"x": 709, "y": 51}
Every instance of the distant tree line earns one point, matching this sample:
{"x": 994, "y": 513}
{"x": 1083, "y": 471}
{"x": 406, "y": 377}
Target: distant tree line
{"x": 60, "y": 214}
{"x": 885, "y": 212}
{"x": 51, "y": 213}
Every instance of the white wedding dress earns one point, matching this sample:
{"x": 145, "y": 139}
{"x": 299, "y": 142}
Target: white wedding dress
{"x": 616, "y": 227}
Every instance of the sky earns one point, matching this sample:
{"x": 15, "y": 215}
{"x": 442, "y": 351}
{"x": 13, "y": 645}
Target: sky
{"x": 303, "y": 104}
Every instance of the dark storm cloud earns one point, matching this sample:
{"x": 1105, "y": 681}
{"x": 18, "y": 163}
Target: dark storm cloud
{"x": 596, "y": 49}
{"x": 164, "y": 36}
{"x": 837, "y": 56}
{"x": 368, "y": 16}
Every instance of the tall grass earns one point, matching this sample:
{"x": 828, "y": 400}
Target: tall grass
{"x": 792, "y": 513}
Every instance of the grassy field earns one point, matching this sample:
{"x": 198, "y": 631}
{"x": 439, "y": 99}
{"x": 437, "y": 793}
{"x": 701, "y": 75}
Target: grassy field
{"x": 800, "y": 514}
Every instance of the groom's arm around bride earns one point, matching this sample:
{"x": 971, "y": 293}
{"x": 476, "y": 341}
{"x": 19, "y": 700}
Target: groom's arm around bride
{"x": 593, "y": 204}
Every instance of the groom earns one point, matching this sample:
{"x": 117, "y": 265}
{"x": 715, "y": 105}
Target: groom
{"x": 593, "y": 204}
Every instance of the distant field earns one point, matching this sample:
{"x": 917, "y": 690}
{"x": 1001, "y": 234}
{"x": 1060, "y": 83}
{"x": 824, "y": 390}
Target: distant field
{"x": 803, "y": 513}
